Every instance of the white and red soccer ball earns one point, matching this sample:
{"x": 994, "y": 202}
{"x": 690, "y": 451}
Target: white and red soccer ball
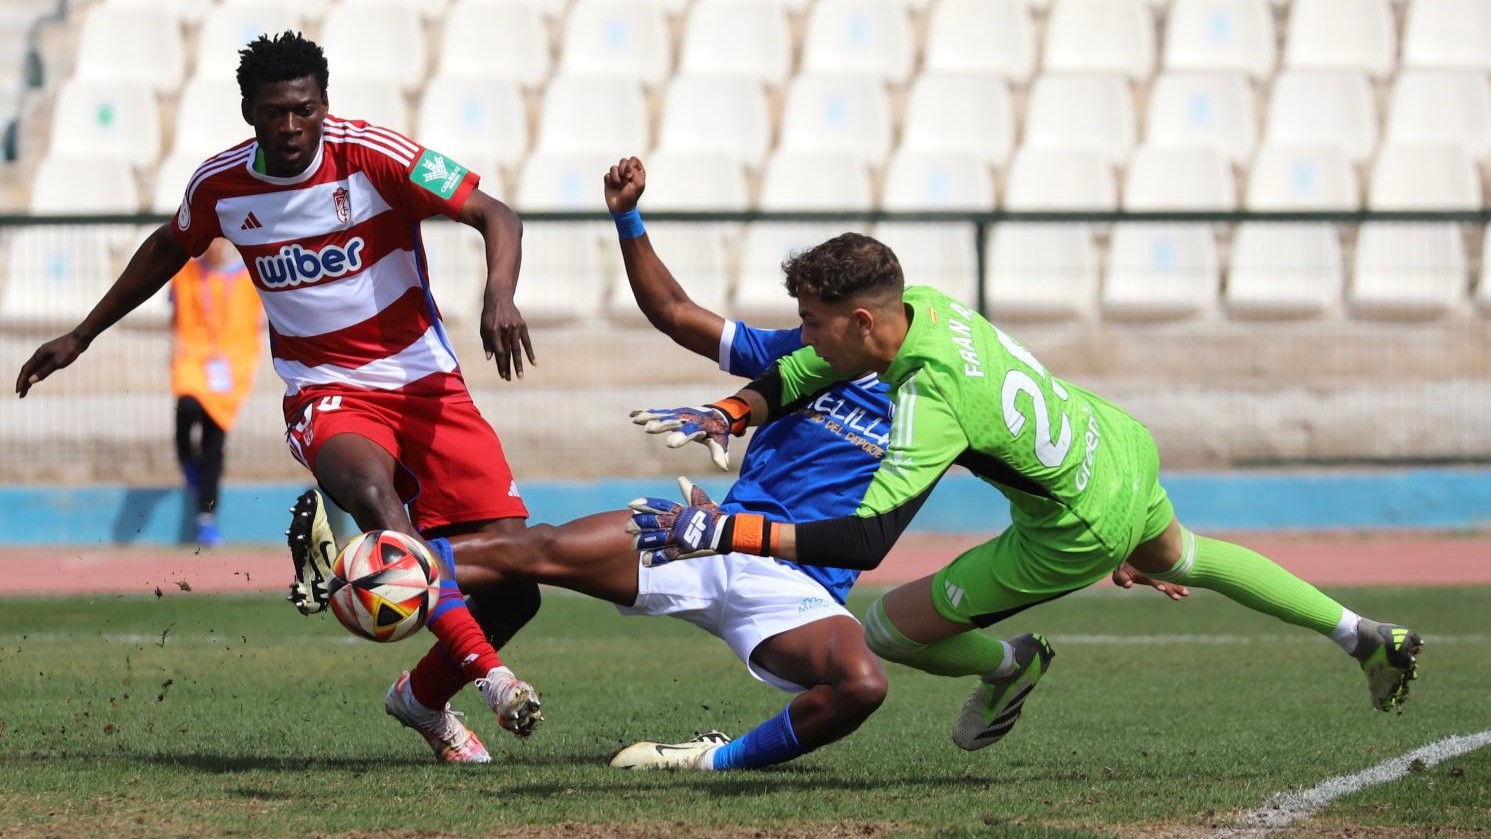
{"x": 384, "y": 585}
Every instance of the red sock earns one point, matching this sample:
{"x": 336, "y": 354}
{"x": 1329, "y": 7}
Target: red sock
{"x": 463, "y": 639}
{"x": 436, "y": 678}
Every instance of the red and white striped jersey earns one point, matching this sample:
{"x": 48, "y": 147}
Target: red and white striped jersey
{"x": 336, "y": 255}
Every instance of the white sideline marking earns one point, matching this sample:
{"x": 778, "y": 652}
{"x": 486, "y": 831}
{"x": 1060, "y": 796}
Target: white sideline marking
{"x": 1286, "y": 808}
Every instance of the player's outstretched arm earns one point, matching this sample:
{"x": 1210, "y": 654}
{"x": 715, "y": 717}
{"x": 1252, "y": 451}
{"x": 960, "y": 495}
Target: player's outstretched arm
{"x": 504, "y": 334}
{"x": 155, "y": 262}
{"x": 662, "y": 300}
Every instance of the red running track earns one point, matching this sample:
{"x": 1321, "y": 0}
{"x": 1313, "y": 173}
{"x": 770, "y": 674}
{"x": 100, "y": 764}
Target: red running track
{"x": 1324, "y": 559}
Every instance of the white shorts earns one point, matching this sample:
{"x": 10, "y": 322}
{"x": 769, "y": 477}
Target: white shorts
{"x": 739, "y": 598}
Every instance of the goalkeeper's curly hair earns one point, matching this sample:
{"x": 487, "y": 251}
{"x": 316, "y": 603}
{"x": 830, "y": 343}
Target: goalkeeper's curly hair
{"x": 848, "y": 265}
{"x": 286, "y": 56}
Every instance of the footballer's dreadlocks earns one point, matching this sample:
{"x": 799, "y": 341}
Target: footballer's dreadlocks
{"x": 286, "y": 56}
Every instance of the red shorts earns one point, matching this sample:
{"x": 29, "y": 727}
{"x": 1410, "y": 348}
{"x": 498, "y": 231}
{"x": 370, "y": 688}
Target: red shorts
{"x": 453, "y": 469}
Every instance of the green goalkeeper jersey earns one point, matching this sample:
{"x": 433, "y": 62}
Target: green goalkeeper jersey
{"x": 963, "y": 392}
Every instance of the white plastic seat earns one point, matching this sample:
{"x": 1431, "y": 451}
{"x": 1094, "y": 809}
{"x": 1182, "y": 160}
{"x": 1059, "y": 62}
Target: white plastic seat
{"x": 309, "y": 9}
{"x": 944, "y": 256}
{"x": 560, "y": 182}
{"x": 696, "y": 256}
{"x": 1176, "y": 178}
{"x": 1323, "y": 107}
{"x": 716, "y": 114}
{"x": 371, "y": 100}
{"x": 1302, "y": 178}
{"x": 937, "y": 180}
{"x": 1284, "y": 270}
{"x": 617, "y": 39}
{"x": 209, "y": 118}
{"x": 1424, "y": 177}
{"x": 564, "y": 278}
{"x": 184, "y": 11}
{"x": 1210, "y": 109}
{"x": 431, "y": 9}
{"x": 1408, "y": 271}
{"x": 1091, "y": 112}
{"x": 1448, "y": 33}
{"x": 731, "y": 38}
{"x": 1101, "y": 36}
{"x": 1221, "y": 35}
{"x": 54, "y": 275}
{"x": 1483, "y": 288}
{"x": 102, "y": 119}
{"x": 457, "y": 264}
{"x": 963, "y": 113}
{"x": 482, "y": 123}
{"x": 1060, "y": 179}
{"x": 590, "y": 114}
{"x": 230, "y": 27}
{"x": 375, "y": 42}
{"x": 872, "y": 38}
{"x": 1041, "y": 271}
{"x": 695, "y": 181}
{"x": 845, "y": 114}
{"x": 760, "y": 296}
{"x": 981, "y": 36}
{"x": 484, "y": 39}
{"x": 171, "y": 179}
{"x": 1341, "y": 35}
{"x": 1161, "y": 271}
{"x": 1442, "y": 106}
{"x": 131, "y": 45}
{"x": 83, "y": 185}
{"x": 815, "y": 181}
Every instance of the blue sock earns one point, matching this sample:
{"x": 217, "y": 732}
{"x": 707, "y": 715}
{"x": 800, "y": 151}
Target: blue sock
{"x": 769, "y": 743}
{"x": 450, "y": 593}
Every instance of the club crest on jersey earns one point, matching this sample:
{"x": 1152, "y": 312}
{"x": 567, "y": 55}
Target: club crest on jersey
{"x": 437, "y": 173}
{"x": 294, "y": 265}
{"x": 343, "y": 201}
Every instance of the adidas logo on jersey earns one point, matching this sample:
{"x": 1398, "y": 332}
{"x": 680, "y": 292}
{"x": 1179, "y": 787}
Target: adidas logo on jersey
{"x": 250, "y": 222}
{"x": 294, "y": 265}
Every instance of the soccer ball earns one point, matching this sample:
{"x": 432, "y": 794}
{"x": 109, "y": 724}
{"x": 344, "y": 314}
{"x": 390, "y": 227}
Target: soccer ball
{"x": 383, "y": 586}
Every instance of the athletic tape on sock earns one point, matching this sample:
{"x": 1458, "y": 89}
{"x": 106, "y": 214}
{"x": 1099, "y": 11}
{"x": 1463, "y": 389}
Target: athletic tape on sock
{"x": 1182, "y": 568}
{"x": 884, "y": 638}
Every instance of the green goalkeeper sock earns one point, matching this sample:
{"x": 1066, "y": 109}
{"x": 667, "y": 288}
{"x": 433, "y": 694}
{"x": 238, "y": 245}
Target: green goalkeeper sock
{"x": 1256, "y": 582}
{"x": 969, "y": 654}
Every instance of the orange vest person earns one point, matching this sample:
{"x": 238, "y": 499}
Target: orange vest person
{"x": 215, "y": 349}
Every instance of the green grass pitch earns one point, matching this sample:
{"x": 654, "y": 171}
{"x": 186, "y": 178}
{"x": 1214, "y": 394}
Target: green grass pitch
{"x": 192, "y": 715}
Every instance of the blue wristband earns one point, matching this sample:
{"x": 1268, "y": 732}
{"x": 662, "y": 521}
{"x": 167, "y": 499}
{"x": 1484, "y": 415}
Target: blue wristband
{"x": 629, "y": 224}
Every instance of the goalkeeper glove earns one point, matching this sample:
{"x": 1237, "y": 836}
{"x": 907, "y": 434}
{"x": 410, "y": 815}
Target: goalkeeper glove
{"x": 665, "y": 531}
{"x": 710, "y": 424}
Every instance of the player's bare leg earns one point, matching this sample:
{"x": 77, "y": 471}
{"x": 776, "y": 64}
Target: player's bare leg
{"x": 591, "y": 555}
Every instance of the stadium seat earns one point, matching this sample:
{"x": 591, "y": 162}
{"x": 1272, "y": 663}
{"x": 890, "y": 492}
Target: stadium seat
{"x": 1221, "y": 35}
{"x": 171, "y": 178}
{"x": 563, "y": 182}
{"x": 483, "y": 39}
{"x": 83, "y": 185}
{"x": 1424, "y": 177}
{"x": 209, "y": 119}
{"x": 1101, "y": 36}
{"x": 480, "y": 122}
{"x": 1041, "y": 271}
{"x": 872, "y": 38}
{"x": 695, "y": 181}
{"x": 963, "y": 113}
{"x": 845, "y": 114}
{"x": 617, "y": 39}
{"x": 944, "y": 256}
{"x": 184, "y": 11}
{"x": 229, "y": 27}
{"x": 431, "y": 9}
{"x": 730, "y": 38}
{"x": 1442, "y": 106}
{"x": 760, "y": 298}
{"x": 1161, "y": 271}
{"x": 1284, "y": 271}
{"x": 1060, "y": 179}
{"x": 375, "y": 101}
{"x": 716, "y": 114}
{"x": 1448, "y": 33}
{"x": 981, "y": 36}
{"x": 1483, "y": 288}
{"x": 457, "y": 269}
{"x": 54, "y": 275}
{"x": 917, "y": 180}
{"x": 1341, "y": 35}
{"x": 564, "y": 278}
{"x": 1408, "y": 271}
{"x": 1204, "y": 109}
{"x": 1090, "y": 112}
{"x": 696, "y": 256}
{"x": 593, "y": 114}
{"x": 131, "y": 46}
{"x": 382, "y": 43}
{"x": 825, "y": 181}
{"x": 1302, "y": 178}
{"x": 103, "y": 119}
{"x": 1315, "y": 107}
{"x": 1175, "y": 178}
{"x": 309, "y": 9}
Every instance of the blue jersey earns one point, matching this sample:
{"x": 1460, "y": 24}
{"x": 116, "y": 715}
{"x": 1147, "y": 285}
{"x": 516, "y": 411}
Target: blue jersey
{"x": 815, "y": 462}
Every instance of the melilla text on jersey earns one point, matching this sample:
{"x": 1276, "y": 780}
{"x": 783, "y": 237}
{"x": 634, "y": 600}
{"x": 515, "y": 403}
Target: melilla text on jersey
{"x": 850, "y": 422}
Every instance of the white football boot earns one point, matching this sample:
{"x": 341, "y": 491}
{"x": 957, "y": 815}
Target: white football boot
{"x": 452, "y": 741}
{"x": 668, "y": 755}
{"x": 313, "y": 547}
{"x": 514, "y": 701}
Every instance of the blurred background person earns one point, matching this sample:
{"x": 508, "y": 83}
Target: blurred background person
{"x": 215, "y": 326}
